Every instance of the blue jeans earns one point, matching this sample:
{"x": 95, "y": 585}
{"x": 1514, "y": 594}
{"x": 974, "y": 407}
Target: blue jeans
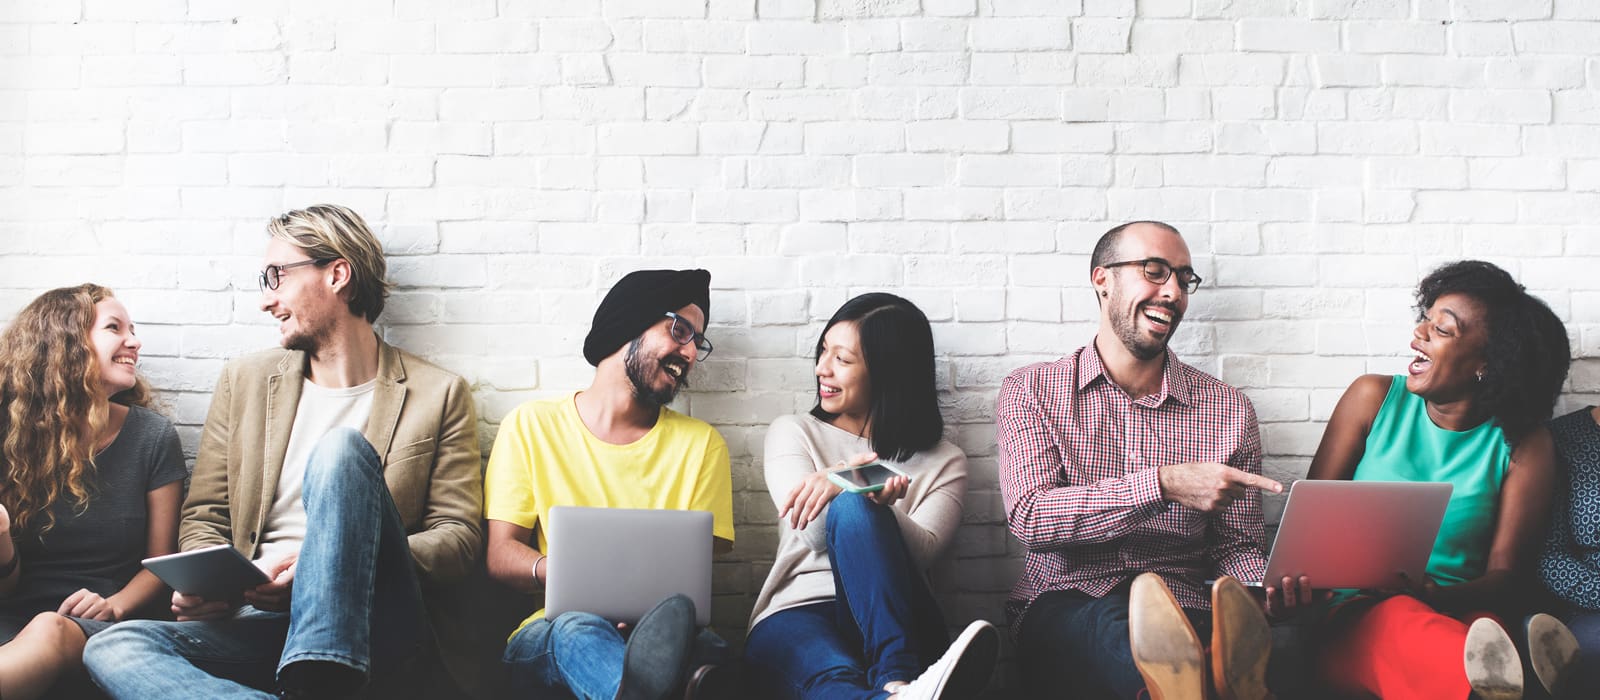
{"x": 1072, "y": 645}
{"x": 1586, "y": 627}
{"x": 579, "y": 654}
{"x": 883, "y": 625}
{"x": 356, "y": 602}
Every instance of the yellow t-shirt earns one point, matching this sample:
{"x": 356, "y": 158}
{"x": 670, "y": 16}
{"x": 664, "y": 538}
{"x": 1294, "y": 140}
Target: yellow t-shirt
{"x": 545, "y": 456}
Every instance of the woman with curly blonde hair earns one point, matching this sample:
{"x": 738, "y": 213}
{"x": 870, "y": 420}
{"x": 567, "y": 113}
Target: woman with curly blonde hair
{"x": 90, "y": 480}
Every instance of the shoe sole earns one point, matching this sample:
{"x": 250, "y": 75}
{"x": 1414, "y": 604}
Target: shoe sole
{"x": 1165, "y": 648}
{"x": 1494, "y": 670}
{"x": 976, "y": 663}
{"x": 1241, "y": 642}
{"x": 661, "y": 640}
{"x": 1552, "y": 650}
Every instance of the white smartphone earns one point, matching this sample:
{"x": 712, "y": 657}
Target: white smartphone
{"x": 865, "y": 478}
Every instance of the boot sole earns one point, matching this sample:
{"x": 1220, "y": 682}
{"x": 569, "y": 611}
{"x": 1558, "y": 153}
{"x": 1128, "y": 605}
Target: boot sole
{"x": 1165, "y": 648}
{"x": 1241, "y": 641}
{"x": 1552, "y": 650}
{"x": 1494, "y": 670}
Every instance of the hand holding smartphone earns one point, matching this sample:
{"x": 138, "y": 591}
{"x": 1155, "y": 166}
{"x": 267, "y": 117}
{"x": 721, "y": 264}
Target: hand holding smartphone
{"x": 866, "y": 478}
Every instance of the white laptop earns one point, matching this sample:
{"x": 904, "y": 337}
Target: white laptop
{"x": 1357, "y": 534}
{"x": 618, "y": 563}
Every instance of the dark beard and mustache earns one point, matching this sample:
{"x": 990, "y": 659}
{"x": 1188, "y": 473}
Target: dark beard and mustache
{"x": 1137, "y": 343}
{"x": 639, "y": 372}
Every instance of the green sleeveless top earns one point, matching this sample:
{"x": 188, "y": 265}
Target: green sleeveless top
{"x": 1405, "y": 445}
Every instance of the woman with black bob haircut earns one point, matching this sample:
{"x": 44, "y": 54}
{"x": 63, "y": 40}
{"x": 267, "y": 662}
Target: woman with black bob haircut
{"x": 1489, "y": 361}
{"x": 847, "y": 612}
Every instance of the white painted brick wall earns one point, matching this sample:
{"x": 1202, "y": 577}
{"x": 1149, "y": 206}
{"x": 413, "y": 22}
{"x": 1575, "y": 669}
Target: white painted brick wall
{"x": 520, "y": 155}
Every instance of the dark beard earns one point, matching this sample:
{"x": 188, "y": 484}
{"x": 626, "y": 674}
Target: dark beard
{"x": 306, "y": 342}
{"x": 1127, "y": 329}
{"x": 638, "y": 369}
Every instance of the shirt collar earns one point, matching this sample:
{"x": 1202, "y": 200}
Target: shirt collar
{"x": 1174, "y": 382}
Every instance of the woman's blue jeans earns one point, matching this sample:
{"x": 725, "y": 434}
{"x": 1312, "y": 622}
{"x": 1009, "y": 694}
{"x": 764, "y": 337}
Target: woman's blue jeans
{"x": 356, "y": 602}
{"x": 882, "y": 626}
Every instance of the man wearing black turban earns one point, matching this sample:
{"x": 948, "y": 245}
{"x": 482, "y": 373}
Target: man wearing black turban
{"x": 639, "y": 301}
{"x": 617, "y": 445}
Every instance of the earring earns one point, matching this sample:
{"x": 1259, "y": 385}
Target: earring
{"x": 1480, "y": 376}
{"x": 1102, "y": 294}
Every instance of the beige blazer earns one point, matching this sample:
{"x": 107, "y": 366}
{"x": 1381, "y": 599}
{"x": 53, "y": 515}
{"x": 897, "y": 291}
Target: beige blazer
{"x": 423, "y": 426}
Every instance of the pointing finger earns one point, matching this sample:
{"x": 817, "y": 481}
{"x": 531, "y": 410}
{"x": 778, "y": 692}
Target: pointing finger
{"x": 1255, "y": 481}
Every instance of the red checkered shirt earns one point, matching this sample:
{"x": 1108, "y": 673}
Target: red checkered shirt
{"x": 1078, "y": 461}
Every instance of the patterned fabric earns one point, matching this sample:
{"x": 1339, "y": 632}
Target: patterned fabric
{"x": 1571, "y": 564}
{"x": 1078, "y": 471}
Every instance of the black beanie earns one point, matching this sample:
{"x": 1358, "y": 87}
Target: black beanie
{"x": 637, "y": 301}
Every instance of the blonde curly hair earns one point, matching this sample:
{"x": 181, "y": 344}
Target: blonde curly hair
{"x": 55, "y": 404}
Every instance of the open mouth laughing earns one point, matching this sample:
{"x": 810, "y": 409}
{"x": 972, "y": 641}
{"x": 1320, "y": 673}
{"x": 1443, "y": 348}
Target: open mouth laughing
{"x": 1421, "y": 362}
{"x": 1161, "y": 317}
{"x": 675, "y": 368}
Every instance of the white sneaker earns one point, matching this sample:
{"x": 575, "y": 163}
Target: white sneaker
{"x": 962, "y": 672}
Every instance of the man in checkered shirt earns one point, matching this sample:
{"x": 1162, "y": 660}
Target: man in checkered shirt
{"x": 1118, "y": 460}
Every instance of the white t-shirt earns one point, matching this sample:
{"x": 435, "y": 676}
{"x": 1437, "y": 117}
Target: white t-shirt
{"x": 320, "y": 410}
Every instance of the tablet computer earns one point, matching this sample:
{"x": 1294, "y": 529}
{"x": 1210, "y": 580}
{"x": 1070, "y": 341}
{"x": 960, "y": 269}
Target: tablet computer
{"x": 218, "y": 572}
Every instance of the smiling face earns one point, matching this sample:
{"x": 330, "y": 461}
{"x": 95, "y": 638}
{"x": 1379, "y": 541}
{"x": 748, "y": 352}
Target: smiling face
{"x": 657, "y": 365}
{"x": 305, "y": 303}
{"x": 1143, "y": 315}
{"x": 844, "y": 387}
{"x": 116, "y": 348}
{"x": 1450, "y": 343}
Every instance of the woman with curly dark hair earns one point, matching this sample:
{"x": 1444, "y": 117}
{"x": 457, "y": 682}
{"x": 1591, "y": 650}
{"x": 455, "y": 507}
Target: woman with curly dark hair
{"x": 90, "y": 481}
{"x": 1489, "y": 363}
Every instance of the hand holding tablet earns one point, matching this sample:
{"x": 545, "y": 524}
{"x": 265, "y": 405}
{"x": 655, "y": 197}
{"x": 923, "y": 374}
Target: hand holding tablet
{"x": 218, "y": 572}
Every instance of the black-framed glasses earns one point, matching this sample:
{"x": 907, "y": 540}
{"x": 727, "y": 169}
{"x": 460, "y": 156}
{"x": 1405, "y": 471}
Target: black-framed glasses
{"x": 272, "y": 275}
{"x": 683, "y": 331}
{"x": 1157, "y": 271}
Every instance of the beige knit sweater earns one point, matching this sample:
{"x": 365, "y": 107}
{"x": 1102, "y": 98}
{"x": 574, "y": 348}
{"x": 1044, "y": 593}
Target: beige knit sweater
{"x": 929, "y": 513}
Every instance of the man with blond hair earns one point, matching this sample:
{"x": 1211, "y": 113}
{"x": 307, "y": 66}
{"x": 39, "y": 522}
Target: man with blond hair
{"x": 346, "y": 469}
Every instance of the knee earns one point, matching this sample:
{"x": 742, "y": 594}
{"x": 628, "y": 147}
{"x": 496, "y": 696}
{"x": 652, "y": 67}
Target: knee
{"x": 121, "y": 644}
{"x": 53, "y": 631}
{"x": 337, "y": 452}
{"x": 571, "y": 624}
{"x": 850, "y": 511}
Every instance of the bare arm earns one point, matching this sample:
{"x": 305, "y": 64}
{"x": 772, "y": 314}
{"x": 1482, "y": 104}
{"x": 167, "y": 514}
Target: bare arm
{"x": 1344, "y": 441}
{"x": 511, "y": 558}
{"x": 161, "y": 534}
{"x": 8, "y": 554}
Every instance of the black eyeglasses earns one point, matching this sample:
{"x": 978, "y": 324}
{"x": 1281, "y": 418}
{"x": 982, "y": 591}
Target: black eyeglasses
{"x": 1157, "y": 271}
{"x": 272, "y": 275}
{"x": 683, "y": 331}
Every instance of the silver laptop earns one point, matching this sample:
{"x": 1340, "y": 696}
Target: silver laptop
{"x": 618, "y": 563}
{"x": 1357, "y": 534}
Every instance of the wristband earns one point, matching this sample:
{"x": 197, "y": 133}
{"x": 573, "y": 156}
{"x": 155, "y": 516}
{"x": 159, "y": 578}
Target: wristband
{"x": 536, "y": 578}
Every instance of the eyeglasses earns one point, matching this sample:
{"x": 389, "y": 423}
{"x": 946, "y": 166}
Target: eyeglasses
{"x": 272, "y": 275}
{"x": 1157, "y": 271}
{"x": 683, "y": 331}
